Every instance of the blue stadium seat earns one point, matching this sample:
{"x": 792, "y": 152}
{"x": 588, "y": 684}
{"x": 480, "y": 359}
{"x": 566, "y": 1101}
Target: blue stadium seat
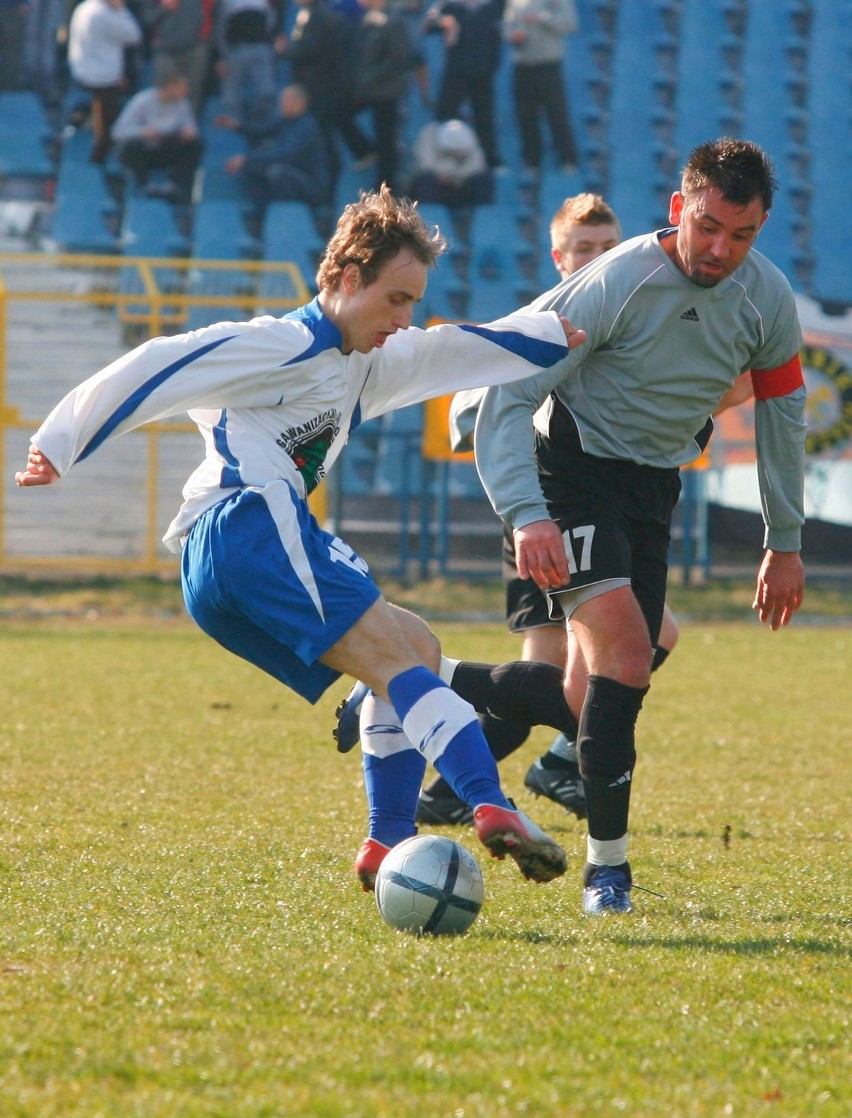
{"x": 25, "y": 166}
{"x": 830, "y": 72}
{"x": 357, "y": 464}
{"x": 500, "y": 265}
{"x": 219, "y": 233}
{"x": 709, "y": 76}
{"x": 86, "y": 217}
{"x": 780, "y": 125}
{"x": 399, "y": 466}
{"x": 641, "y": 121}
{"x": 290, "y": 234}
{"x": 588, "y": 79}
{"x": 149, "y": 228}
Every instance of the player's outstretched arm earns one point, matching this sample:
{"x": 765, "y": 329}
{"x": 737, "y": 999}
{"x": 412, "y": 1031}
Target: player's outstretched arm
{"x": 39, "y": 471}
{"x": 780, "y": 587}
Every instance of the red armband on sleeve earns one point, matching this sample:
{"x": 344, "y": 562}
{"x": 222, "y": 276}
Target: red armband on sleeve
{"x": 778, "y": 382}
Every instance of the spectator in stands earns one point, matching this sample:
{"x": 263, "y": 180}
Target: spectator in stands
{"x": 291, "y": 163}
{"x": 471, "y": 32}
{"x": 41, "y": 59}
{"x": 249, "y": 35}
{"x": 13, "y": 23}
{"x": 157, "y": 130}
{"x": 318, "y": 61}
{"x": 411, "y": 13}
{"x": 98, "y": 34}
{"x": 180, "y": 33}
{"x": 383, "y": 56}
{"x": 537, "y": 30}
{"x": 450, "y": 166}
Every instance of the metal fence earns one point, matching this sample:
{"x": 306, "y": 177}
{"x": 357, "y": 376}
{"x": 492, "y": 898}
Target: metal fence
{"x": 62, "y": 317}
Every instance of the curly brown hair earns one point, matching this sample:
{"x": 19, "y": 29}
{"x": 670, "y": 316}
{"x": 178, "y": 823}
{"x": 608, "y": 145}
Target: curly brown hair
{"x": 372, "y": 231}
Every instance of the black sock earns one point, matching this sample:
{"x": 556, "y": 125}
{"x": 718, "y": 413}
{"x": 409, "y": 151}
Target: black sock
{"x": 528, "y": 691}
{"x": 660, "y": 655}
{"x": 607, "y": 753}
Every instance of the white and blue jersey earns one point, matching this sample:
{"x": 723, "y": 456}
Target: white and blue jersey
{"x": 275, "y": 400}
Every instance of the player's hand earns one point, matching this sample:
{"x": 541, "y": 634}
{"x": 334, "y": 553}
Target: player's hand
{"x": 780, "y": 587}
{"x": 573, "y": 335}
{"x": 39, "y": 470}
{"x": 540, "y": 555}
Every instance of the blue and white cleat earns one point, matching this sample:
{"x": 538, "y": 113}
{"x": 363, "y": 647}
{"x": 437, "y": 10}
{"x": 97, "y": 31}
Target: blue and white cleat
{"x": 348, "y": 715}
{"x": 607, "y": 890}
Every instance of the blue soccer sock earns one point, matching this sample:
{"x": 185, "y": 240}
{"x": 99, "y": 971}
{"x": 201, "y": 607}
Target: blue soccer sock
{"x": 446, "y": 731}
{"x": 393, "y": 785}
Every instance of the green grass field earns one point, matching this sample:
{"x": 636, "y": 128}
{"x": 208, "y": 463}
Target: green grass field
{"x": 181, "y": 933}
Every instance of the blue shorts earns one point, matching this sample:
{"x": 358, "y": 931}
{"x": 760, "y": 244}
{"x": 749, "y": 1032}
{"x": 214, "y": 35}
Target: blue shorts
{"x": 263, "y": 579}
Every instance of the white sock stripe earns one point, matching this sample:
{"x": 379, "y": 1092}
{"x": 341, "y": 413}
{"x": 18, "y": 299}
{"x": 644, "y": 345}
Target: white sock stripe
{"x": 606, "y": 852}
{"x": 435, "y": 719}
{"x": 381, "y": 730}
{"x": 279, "y": 499}
{"x": 447, "y": 670}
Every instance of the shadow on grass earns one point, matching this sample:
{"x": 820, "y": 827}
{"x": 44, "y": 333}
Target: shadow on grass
{"x": 744, "y": 948}
{"x": 747, "y": 948}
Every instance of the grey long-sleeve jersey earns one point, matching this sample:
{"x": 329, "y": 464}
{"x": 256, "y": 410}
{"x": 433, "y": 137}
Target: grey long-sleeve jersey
{"x": 661, "y": 352}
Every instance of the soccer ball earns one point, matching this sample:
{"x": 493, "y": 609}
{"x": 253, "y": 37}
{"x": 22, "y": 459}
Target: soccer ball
{"x": 429, "y": 885}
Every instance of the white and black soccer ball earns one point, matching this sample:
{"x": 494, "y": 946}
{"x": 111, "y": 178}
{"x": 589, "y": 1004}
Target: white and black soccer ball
{"x": 429, "y": 885}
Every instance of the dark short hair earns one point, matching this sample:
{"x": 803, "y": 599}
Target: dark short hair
{"x": 738, "y": 169}
{"x": 374, "y": 230}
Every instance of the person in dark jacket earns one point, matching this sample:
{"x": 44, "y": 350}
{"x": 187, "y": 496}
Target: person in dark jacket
{"x": 383, "y": 57}
{"x": 291, "y": 163}
{"x": 316, "y": 54}
{"x": 181, "y": 35}
{"x": 472, "y": 33}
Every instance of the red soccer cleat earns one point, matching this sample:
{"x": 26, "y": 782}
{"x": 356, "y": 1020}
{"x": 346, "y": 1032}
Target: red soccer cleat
{"x": 367, "y": 861}
{"x": 505, "y": 831}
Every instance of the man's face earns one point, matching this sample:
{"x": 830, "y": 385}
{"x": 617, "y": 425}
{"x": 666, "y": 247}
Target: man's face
{"x": 713, "y": 236}
{"x": 174, "y": 90}
{"x": 369, "y": 315}
{"x": 292, "y": 104}
{"x": 582, "y": 244}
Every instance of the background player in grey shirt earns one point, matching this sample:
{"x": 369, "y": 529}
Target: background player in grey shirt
{"x": 672, "y": 318}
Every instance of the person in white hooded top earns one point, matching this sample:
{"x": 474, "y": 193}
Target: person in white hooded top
{"x": 98, "y": 34}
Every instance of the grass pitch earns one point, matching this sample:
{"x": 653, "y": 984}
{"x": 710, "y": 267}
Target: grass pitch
{"x": 181, "y": 933}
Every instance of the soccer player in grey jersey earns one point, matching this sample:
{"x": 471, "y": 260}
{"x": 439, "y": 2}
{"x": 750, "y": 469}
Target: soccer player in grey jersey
{"x": 672, "y": 318}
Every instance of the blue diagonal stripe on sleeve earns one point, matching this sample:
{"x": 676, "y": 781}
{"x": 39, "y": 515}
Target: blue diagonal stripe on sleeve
{"x": 142, "y": 392}
{"x": 537, "y": 352}
{"x": 231, "y": 470}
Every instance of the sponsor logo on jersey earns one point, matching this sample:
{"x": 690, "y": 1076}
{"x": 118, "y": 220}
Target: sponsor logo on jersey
{"x": 691, "y": 315}
{"x": 307, "y": 445}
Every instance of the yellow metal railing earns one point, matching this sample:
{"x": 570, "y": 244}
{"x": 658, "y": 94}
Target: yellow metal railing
{"x": 150, "y": 295}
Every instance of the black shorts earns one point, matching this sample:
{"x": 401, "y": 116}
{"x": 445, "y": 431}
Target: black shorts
{"x": 615, "y": 515}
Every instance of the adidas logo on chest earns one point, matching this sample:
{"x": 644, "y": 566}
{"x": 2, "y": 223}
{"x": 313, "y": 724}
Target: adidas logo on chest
{"x": 691, "y": 315}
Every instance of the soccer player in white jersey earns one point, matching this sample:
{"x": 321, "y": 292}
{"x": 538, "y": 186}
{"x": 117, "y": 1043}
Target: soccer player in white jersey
{"x": 275, "y": 400}
{"x": 672, "y": 319}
